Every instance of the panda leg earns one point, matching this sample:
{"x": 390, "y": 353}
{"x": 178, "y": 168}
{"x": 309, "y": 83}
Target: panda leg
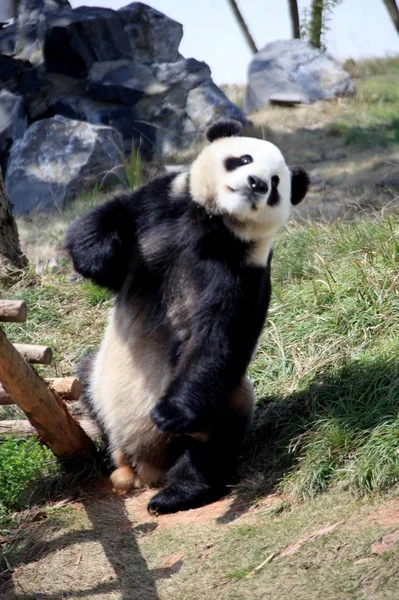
{"x": 123, "y": 478}
{"x": 202, "y": 474}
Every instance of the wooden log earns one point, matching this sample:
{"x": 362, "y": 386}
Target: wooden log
{"x": 44, "y": 409}
{"x": 67, "y": 388}
{"x": 13, "y": 310}
{"x": 35, "y": 355}
{"x": 22, "y": 428}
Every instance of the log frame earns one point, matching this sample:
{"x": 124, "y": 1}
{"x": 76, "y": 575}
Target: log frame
{"x": 45, "y": 410}
{"x": 14, "y": 311}
{"x": 68, "y": 389}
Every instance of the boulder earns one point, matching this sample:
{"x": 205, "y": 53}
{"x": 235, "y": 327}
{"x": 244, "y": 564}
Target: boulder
{"x": 121, "y": 118}
{"x": 153, "y": 36}
{"x": 77, "y": 39}
{"x": 122, "y": 81}
{"x": 207, "y": 103}
{"x": 56, "y": 160}
{"x": 13, "y": 124}
{"x": 31, "y": 21}
{"x": 297, "y": 69}
{"x": 8, "y": 38}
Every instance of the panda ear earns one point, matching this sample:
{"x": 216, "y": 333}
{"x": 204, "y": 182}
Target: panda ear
{"x": 299, "y": 184}
{"x": 223, "y": 129}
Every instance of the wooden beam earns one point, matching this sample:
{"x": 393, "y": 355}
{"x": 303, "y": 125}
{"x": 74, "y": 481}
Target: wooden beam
{"x": 13, "y": 310}
{"x": 44, "y": 409}
{"x": 68, "y": 389}
{"x": 22, "y": 428}
{"x": 35, "y": 355}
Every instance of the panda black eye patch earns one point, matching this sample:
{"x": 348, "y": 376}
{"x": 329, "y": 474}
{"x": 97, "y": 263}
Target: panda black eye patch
{"x": 232, "y": 162}
{"x": 275, "y": 181}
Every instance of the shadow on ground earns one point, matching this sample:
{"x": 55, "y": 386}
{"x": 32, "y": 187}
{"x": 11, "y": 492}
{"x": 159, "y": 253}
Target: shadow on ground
{"x": 358, "y": 397}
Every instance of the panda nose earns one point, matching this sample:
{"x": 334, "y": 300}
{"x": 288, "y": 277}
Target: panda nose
{"x": 257, "y": 184}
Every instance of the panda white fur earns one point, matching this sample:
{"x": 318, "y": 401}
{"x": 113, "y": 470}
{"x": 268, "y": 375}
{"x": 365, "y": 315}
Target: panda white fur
{"x": 188, "y": 256}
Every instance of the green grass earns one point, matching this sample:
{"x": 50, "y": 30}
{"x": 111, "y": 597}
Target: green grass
{"x": 21, "y": 463}
{"x": 327, "y": 371}
{"x": 372, "y": 118}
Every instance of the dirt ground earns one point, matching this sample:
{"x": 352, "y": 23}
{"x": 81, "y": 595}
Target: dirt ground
{"x": 108, "y": 547}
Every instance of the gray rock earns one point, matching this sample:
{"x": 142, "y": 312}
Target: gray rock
{"x": 295, "y": 68}
{"x": 56, "y": 160}
{"x": 207, "y": 103}
{"x": 8, "y": 38}
{"x": 32, "y": 16}
{"x": 184, "y": 73}
{"x": 122, "y": 81}
{"x": 153, "y": 36}
{"x": 121, "y": 118}
{"x": 13, "y": 124}
{"x": 77, "y": 39}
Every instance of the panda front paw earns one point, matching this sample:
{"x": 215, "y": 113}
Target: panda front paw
{"x": 174, "y": 419}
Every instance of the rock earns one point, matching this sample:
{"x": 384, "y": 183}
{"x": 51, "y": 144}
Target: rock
{"x": 76, "y": 39}
{"x": 122, "y": 81}
{"x": 153, "y": 36}
{"x": 121, "y": 118}
{"x": 184, "y": 73}
{"x": 56, "y": 160}
{"x": 7, "y": 10}
{"x": 120, "y": 68}
{"x": 207, "y": 103}
{"x": 31, "y": 20}
{"x": 296, "y": 68}
{"x": 13, "y": 124}
{"x": 8, "y": 38}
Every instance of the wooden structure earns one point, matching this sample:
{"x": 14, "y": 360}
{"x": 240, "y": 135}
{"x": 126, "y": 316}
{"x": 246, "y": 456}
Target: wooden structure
{"x": 41, "y": 400}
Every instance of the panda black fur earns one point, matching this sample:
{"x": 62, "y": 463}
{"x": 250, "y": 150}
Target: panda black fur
{"x": 188, "y": 256}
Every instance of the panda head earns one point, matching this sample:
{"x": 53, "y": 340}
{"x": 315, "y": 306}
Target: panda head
{"x": 246, "y": 180}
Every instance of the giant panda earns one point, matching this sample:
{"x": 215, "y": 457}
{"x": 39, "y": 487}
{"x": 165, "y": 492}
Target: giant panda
{"x": 188, "y": 256}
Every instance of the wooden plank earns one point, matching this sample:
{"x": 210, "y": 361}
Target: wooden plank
{"x": 22, "y": 428}
{"x": 68, "y": 389}
{"x": 13, "y": 311}
{"x": 44, "y": 409}
{"x": 35, "y": 355}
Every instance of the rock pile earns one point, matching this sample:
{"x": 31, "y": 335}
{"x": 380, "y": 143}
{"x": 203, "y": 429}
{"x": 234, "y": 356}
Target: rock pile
{"x": 118, "y": 71}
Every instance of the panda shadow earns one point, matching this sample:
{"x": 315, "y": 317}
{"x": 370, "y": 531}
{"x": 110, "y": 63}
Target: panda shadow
{"x": 359, "y": 396}
{"x": 110, "y": 526}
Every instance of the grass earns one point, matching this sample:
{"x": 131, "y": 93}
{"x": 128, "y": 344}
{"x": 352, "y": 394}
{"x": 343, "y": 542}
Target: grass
{"x": 21, "y": 463}
{"x": 327, "y": 371}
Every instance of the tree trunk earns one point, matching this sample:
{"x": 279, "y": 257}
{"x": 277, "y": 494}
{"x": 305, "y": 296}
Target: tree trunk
{"x": 393, "y": 10}
{"x": 12, "y": 261}
{"x": 294, "y": 12}
{"x": 316, "y": 23}
{"x": 243, "y": 26}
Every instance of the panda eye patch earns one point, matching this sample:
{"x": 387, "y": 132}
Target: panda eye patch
{"x": 275, "y": 181}
{"x": 233, "y": 162}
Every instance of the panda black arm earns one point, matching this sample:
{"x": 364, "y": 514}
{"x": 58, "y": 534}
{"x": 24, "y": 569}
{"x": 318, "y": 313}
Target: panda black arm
{"x": 102, "y": 242}
{"x": 222, "y": 346}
